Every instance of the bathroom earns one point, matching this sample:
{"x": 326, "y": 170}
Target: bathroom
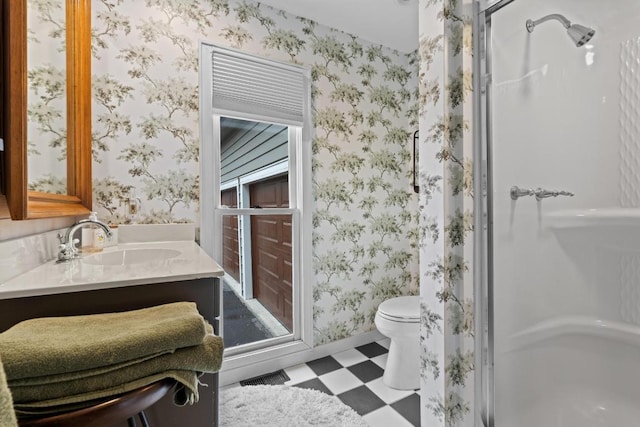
{"x": 353, "y": 262}
{"x": 439, "y": 259}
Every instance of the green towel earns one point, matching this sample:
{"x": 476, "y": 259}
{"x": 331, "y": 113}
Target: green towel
{"x": 61, "y": 388}
{"x": 186, "y": 393}
{"x": 55, "y": 345}
{"x": 68, "y": 376}
{"x": 7, "y": 416}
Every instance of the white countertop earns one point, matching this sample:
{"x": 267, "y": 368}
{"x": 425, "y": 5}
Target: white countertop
{"x": 51, "y": 278}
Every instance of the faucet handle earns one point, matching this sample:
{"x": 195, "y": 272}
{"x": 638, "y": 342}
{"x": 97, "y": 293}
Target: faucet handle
{"x": 541, "y": 193}
{"x": 61, "y": 238}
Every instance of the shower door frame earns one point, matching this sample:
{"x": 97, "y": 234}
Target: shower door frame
{"x": 484, "y": 391}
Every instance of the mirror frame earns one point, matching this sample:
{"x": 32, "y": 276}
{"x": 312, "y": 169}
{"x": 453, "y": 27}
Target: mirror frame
{"x": 24, "y": 204}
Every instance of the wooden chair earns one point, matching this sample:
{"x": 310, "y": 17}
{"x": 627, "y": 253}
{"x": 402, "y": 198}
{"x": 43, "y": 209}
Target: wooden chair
{"x": 106, "y": 412}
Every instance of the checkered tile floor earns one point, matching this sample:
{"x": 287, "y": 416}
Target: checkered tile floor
{"x": 355, "y": 377}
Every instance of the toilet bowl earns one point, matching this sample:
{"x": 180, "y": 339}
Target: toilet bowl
{"x": 399, "y": 319}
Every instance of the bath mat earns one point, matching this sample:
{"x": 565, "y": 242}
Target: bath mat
{"x": 281, "y": 405}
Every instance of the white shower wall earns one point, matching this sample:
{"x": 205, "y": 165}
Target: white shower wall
{"x": 556, "y": 125}
{"x": 564, "y": 118}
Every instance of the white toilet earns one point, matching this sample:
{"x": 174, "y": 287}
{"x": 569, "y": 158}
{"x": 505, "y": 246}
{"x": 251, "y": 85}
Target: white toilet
{"x": 399, "y": 319}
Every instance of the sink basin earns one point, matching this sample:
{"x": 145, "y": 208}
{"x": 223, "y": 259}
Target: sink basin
{"x": 130, "y": 256}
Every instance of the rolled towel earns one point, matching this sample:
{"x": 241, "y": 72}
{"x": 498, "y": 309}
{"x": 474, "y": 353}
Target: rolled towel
{"x": 56, "y": 345}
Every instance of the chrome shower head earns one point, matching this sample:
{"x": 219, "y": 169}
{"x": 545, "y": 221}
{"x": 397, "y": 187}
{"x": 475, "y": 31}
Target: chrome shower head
{"x": 578, "y": 33}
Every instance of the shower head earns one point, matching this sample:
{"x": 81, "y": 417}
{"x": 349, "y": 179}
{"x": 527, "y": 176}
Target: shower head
{"x": 578, "y": 33}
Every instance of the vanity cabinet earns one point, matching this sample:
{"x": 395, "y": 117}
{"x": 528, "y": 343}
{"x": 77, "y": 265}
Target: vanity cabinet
{"x": 205, "y": 292}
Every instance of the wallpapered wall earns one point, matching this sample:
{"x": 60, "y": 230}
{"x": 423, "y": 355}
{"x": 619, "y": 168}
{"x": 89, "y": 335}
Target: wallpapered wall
{"x": 46, "y": 98}
{"x": 446, "y": 213}
{"x": 365, "y": 97}
{"x": 366, "y": 107}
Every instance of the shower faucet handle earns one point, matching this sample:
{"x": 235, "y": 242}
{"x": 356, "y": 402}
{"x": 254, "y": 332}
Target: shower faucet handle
{"x": 543, "y": 194}
{"x": 517, "y": 192}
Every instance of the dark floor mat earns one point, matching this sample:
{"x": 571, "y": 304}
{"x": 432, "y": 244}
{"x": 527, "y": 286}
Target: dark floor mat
{"x": 274, "y": 378}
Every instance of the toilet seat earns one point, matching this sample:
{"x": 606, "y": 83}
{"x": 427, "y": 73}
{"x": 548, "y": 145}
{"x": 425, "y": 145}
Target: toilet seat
{"x": 401, "y": 309}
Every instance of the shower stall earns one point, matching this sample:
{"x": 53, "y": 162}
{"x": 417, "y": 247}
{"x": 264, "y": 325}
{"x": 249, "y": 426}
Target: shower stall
{"x": 558, "y": 253}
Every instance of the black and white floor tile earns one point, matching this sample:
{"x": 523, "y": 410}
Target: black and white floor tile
{"x": 355, "y": 377}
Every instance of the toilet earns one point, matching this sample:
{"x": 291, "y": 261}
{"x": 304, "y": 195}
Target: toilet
{"x": 399, "y": 319}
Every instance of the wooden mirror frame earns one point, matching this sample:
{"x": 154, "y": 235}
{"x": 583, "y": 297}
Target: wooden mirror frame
{"x": 24, "y": 204}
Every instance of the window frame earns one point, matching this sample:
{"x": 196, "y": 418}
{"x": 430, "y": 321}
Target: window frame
{"x": 300, "y": 200}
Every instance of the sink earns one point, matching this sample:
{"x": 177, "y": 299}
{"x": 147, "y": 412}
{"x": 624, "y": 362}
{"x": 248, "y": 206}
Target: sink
{"x": 130, "y": 256}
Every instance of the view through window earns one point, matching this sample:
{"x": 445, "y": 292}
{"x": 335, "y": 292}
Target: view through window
{"x": 257, "y": 243}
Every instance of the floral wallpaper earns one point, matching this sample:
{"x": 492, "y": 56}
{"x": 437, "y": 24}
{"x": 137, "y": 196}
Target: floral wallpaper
{"x": 365, "y": 111}
{"x": 367, "y": 102}
{"x": 446, "y": 213}
{"x": 46, "y": 97}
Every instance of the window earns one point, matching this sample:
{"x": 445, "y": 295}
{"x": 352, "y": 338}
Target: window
{"x": 255, "y": 186}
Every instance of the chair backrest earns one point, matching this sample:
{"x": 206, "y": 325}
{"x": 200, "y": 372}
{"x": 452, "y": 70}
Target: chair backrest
{"x": 106, "y": 412}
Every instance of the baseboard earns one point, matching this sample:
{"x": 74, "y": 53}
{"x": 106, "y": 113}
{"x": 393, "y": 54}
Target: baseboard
{"x": 241, "y": 367}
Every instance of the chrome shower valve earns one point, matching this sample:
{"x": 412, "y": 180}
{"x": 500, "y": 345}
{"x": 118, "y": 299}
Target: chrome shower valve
{"x": 541, "y": 193}
{"x": 517, "y": 192}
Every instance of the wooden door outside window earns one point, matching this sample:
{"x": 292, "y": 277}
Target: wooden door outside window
{"x": 230, "y": 246}
{"x": 271, "y": 249}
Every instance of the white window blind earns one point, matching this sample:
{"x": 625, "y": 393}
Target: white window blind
{"x": 249, "y": 85}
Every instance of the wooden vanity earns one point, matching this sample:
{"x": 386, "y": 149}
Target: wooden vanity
{"x": 78, "y": 288}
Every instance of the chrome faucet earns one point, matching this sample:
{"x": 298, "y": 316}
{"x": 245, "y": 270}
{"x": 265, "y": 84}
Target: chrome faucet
{"x": 67, "y": 249}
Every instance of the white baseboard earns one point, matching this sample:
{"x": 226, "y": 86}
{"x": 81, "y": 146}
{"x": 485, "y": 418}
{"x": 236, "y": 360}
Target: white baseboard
{"x": 242, "y": 367}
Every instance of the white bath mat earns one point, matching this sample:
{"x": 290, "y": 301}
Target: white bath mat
{"x": 281, "y": 405}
